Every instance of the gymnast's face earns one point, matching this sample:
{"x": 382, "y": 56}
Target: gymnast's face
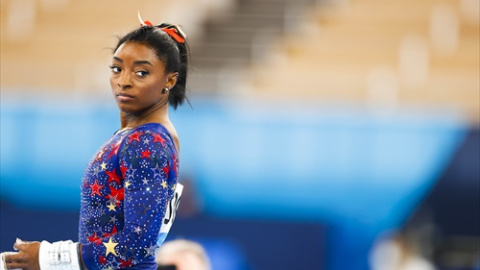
{"x": 138, "y": 79}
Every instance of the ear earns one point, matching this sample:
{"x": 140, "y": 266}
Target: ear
{"x": 171, "y": 80}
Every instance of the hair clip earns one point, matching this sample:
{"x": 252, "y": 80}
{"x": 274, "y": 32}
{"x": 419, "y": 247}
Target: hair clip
{"x": 173, "y": 31}
{"x": 179, "y": 30}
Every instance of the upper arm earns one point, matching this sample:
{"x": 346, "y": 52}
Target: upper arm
{"x": 147, "y": 185}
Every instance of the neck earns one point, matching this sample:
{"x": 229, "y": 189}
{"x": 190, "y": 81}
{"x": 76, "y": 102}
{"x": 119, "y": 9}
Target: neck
{"x": 155, "y": 114}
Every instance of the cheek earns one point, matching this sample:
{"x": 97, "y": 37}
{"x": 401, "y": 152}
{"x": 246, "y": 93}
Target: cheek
{"x": 153, "y": 89}
{"x": 154, "y": 93}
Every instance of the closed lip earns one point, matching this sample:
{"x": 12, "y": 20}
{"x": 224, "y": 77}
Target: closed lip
{"x": 124, "y": 95}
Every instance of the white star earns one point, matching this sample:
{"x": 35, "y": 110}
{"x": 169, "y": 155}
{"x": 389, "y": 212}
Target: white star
{"x": 113, "y": 200}
{"x": 130, "y": 173}
{"x": 150, "y": 251}
{"x": 138, "y": 229}
{"x": 113, "y": 219}
{"x": 157, "y": 171}
{"x": 96, "y": 169}
{"x": 145, "y": 181}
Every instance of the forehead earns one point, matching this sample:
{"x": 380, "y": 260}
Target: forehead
{"x": 136, "y": 51}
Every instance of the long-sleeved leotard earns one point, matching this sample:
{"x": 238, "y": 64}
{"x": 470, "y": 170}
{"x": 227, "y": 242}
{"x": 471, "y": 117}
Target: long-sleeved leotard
{"x": 125, "y": 192}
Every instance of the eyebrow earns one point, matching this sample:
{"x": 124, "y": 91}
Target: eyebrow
{"x": 139, "y": 62}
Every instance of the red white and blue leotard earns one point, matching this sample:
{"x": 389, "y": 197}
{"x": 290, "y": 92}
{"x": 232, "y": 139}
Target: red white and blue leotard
{"x": 127, "y": 187}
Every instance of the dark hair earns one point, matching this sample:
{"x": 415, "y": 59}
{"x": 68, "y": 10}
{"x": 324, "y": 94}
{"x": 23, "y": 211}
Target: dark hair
{"x": 174, "y": 54}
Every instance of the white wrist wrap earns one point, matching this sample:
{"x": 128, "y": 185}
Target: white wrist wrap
{"x": 61, "y": 255}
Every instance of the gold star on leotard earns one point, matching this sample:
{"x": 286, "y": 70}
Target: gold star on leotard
{"x": 110, "y": 247}
{"x": 164, "y": 184}
{"x": 111, "y": 207}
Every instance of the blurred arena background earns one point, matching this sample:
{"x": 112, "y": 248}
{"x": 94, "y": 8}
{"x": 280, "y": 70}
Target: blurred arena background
{"x": 323, "y": 134}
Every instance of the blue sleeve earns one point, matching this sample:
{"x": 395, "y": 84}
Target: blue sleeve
{"x": 145, "y": 161}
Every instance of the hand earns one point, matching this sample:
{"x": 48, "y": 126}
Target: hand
{"x": 25, "y": 258}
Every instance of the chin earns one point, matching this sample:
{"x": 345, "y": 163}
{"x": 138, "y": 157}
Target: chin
{"x": 125, "y": 108}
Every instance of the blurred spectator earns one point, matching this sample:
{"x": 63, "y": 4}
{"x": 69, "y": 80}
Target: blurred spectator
{"x": 393, "y": 253}
{"x": 182, "y": 255}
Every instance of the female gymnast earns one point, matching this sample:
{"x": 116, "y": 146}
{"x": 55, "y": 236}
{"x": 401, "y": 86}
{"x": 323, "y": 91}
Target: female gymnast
{"x": 129, "y": 191}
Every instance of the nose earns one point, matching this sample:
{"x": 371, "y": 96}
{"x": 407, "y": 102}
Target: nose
{"x": 124, "y": 82}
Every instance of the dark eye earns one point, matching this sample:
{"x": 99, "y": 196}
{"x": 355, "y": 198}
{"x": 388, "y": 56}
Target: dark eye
{"x": 141, "y": 73}
{"x": 115, "y": 69}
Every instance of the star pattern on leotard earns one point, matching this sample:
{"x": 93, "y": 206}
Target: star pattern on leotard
{"x": 150, "y": 251}
{"x": 110, "y": 247}
{"x": 125, "y": 190}
{"x": 96, "y": 188}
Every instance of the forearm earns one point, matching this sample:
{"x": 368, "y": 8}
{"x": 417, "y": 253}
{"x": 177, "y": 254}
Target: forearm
{"x": 82, "y": 263}
{"x": 134, "y": 244}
